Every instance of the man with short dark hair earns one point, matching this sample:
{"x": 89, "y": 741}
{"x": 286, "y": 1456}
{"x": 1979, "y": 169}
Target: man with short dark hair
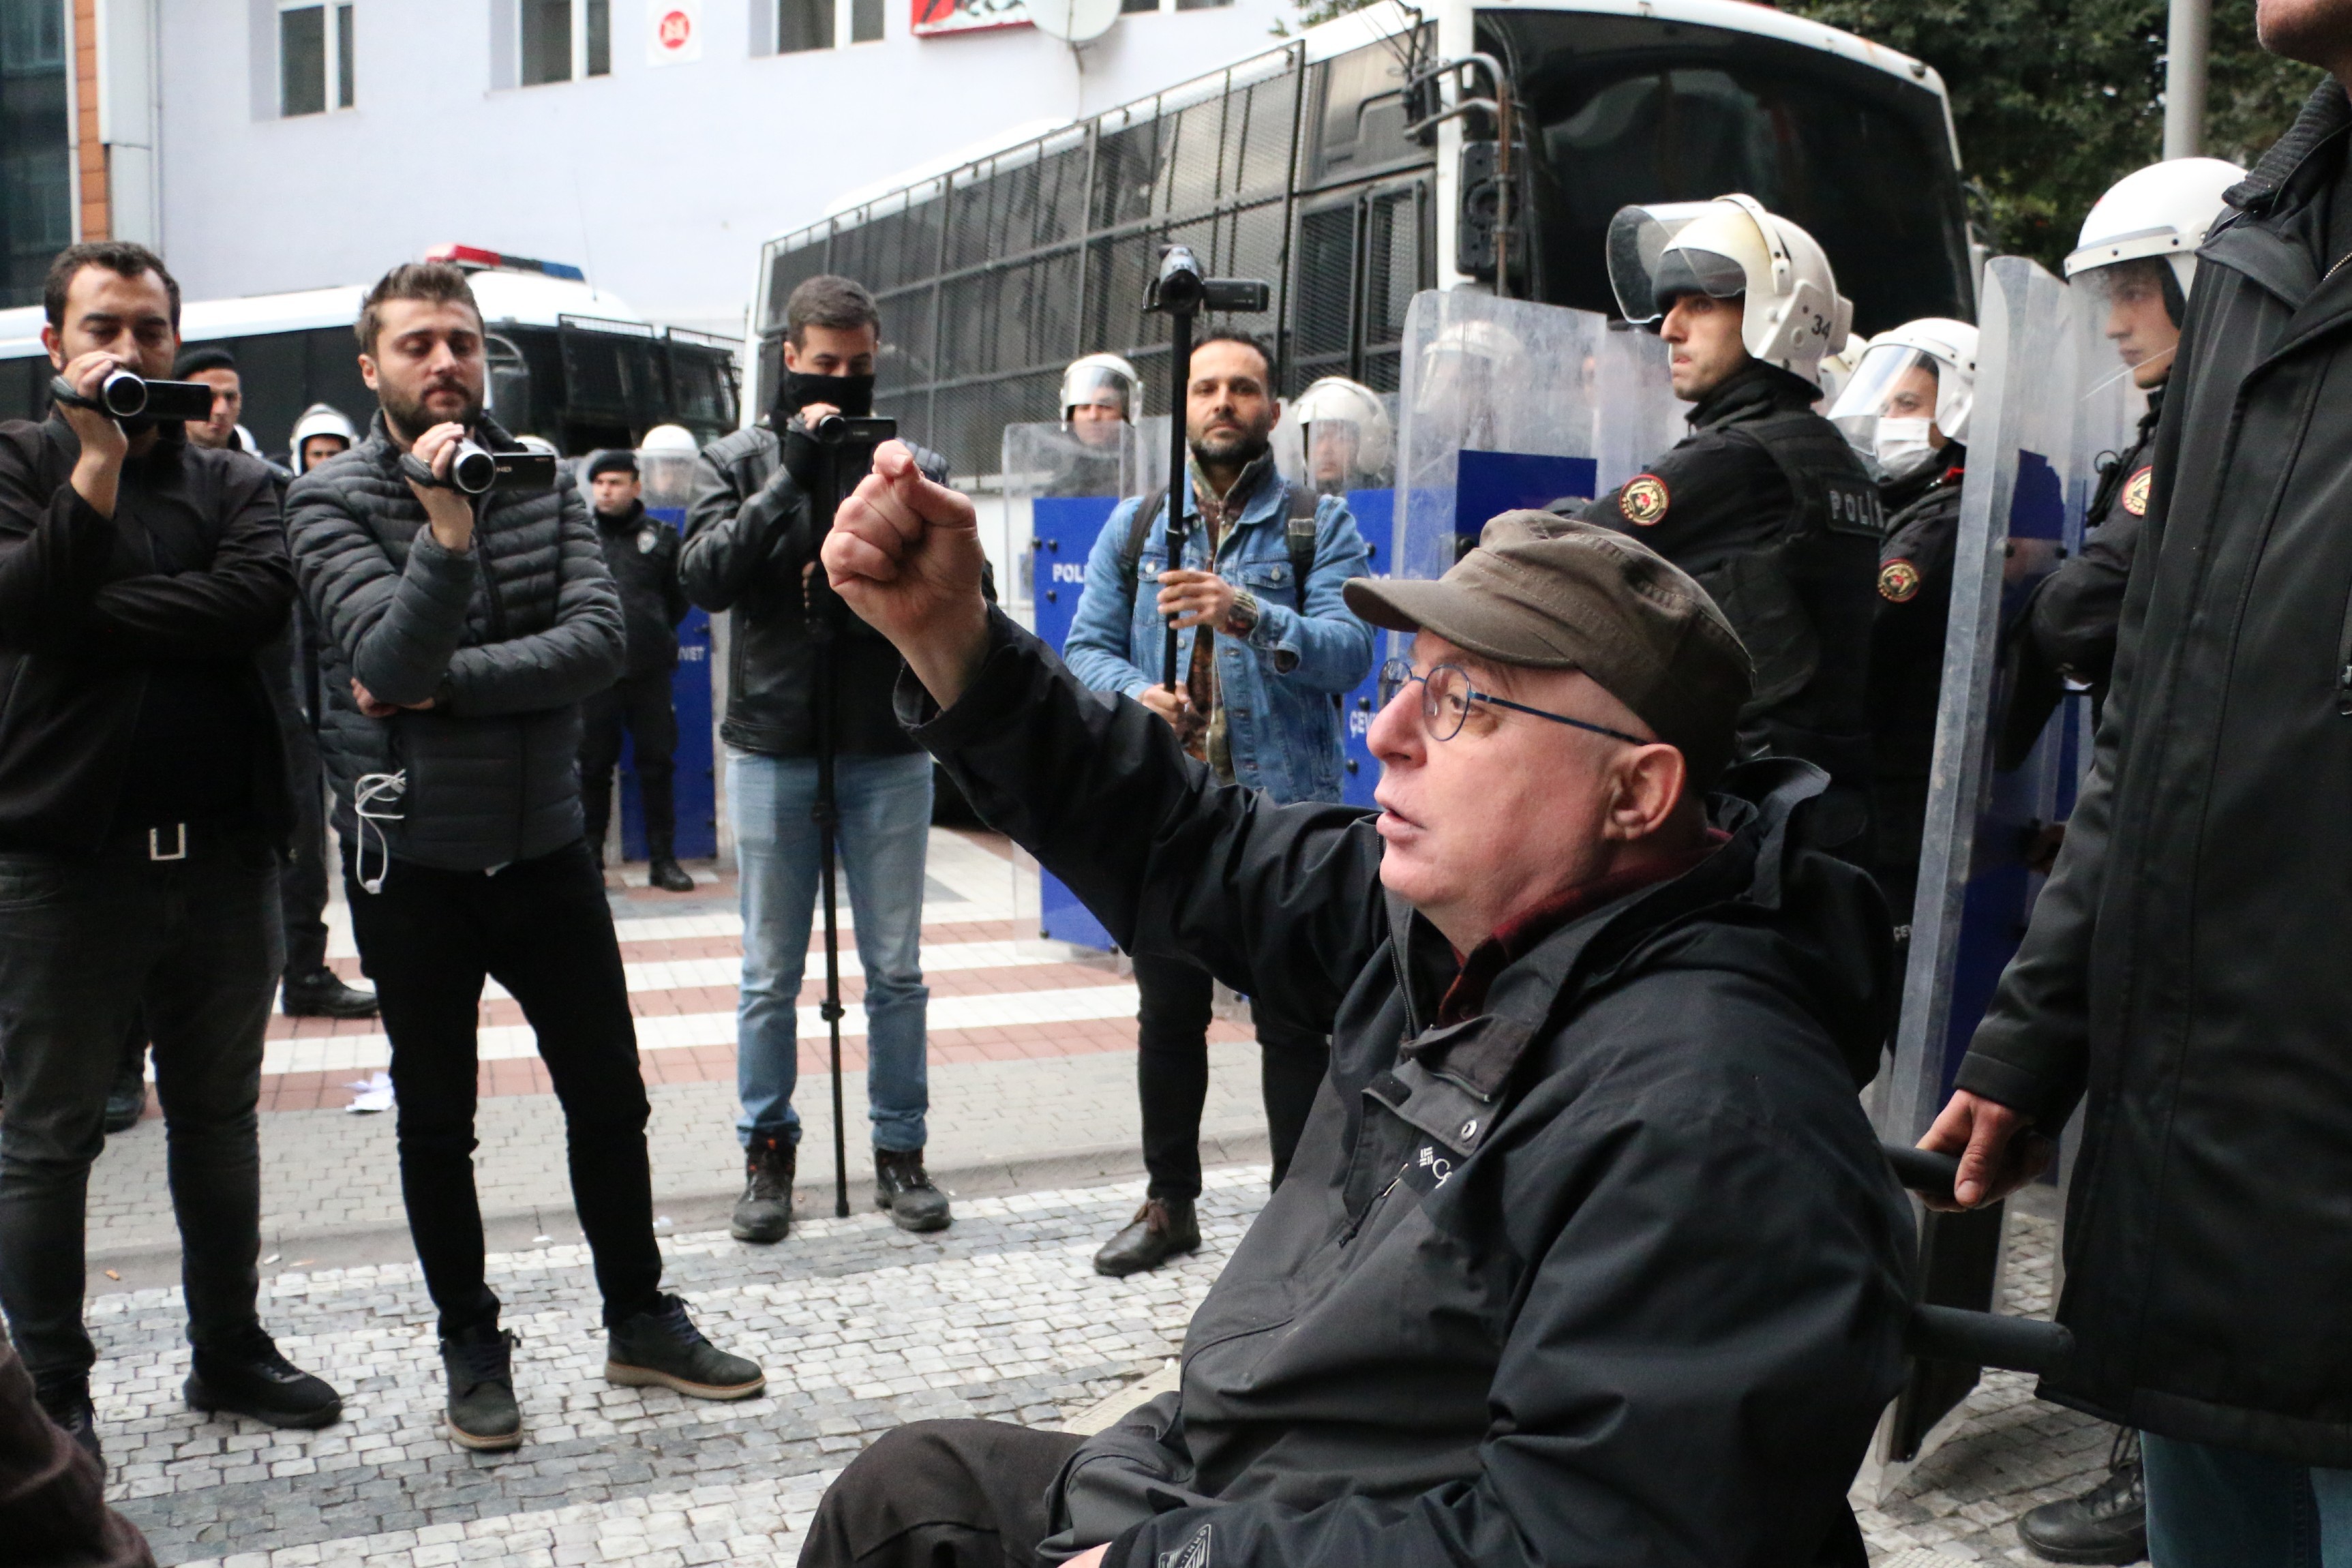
{"x": 144, "y": 584}
{"x": 460, "y": 635}
{"x": 1589, "y": 1254}
{"x": 750, "y": 543}
{"x": 641, "y": 553}
{"x": 1265, "y": 642}
{"x": 215, "y": 367}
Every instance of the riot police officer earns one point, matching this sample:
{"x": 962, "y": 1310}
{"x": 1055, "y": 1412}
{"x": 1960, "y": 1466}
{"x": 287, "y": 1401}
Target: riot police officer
{"x": 2139, "y": 250}
{"x": 1101, "y": 399}
{"x": 1345, "y": 431}
{"x": 1763, "y": 502}
{"x": 1906, "y": 408}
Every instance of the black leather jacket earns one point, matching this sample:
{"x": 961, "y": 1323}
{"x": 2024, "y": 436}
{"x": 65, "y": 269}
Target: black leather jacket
{"x": 749, "y": 530}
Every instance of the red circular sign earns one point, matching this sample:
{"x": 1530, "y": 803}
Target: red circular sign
{"x": 676, "y": 29}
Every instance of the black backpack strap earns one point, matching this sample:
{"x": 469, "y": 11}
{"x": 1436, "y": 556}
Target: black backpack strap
{"x": 1139, "y": 531}
{"x": 1298, "y": 532}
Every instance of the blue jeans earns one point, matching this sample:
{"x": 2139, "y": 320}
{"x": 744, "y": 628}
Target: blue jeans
{"x": 886, "y": 821}
{"x": 2210, "y": 1507}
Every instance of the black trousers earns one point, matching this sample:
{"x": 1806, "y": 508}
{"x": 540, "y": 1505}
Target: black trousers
{"x": 542, "y": 930}
{"x": 1172, "y": 1074}
{"x": 941, "y": 1494}
{"x": 641, "y": 704}
{"x": 303, "y": 880}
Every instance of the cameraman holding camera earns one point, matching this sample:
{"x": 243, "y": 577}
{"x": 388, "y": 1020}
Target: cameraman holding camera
{"x": 751, "y": 540}
{"x": 143, "y": 583}
{"x": 461, "y": 633}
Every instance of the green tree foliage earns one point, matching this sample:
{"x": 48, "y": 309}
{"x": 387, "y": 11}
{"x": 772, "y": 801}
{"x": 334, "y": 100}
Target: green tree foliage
{"x": 2056, "y": 100}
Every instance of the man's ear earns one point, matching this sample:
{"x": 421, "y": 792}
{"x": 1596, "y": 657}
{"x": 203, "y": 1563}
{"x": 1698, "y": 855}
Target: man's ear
{"x": 1647, "y": 788}
{"x": 368, "y": 373}
{"x": 791, "y": 355}
{"x": 55, "y": 344}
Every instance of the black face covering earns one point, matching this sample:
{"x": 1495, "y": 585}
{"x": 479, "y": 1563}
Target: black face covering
{"x": 852, "y": 395}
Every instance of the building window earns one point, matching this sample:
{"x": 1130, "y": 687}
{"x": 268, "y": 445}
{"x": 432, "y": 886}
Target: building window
{"x": 1134, "y": 5}
{"x": 35, "y": 160}
{"x": 1201, "y": 5}
{"x": 865, "y": 21}
{"x": 803, "y": 25}
{"x": 314, "y": 57}
{"x": 564, "y": 39}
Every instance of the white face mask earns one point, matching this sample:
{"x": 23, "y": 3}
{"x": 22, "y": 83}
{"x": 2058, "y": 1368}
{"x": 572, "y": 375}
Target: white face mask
{"x": 1902, "y": 446}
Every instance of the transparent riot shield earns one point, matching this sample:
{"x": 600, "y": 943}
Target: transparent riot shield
{"x": 667, "y": 474}
{"x": 2049, "y": 401}
{"x": 1509, "y": 404}
{"x": 1061, "y": 483}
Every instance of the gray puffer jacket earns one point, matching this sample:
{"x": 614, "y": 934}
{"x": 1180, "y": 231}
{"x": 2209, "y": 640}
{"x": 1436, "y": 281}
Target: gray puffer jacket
{"x": 504, "y": 640}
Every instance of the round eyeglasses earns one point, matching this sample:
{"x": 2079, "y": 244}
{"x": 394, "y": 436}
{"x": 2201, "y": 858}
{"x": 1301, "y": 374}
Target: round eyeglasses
{"x": 1447, "y": 696}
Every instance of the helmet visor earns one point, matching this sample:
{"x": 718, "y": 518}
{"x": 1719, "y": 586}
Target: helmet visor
{"x": 1098, "y": 386}
{"x": 1893, "y": 382}
{"x": 1637, "y": 242}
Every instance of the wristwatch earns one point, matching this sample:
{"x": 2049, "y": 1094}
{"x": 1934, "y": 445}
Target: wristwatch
{"x": 1243, "y": 616}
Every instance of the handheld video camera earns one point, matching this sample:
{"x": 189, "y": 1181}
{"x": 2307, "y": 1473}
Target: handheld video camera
{"x": 848, "y": 443}
{"x": 1180, "y": 290}
{"x": 476, "y": 470}
{"x": 125, "y": 395}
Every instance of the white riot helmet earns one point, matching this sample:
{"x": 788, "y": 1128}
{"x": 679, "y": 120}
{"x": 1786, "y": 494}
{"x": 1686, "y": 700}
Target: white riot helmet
{"x": 1837, "y": 369}
{"x": 321, "y": 419}
{"x": 1727, "y": 247}
{"x": 1887, "y": 409}
{"x": 1105, "y": 380}
{"x": 665, "y": 465}
{"x": 2161, "y": 211}
{"x": 1351, "y": 412}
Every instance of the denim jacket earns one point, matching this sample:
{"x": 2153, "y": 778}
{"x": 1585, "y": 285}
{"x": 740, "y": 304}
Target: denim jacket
{"x": 1278, "y": 681}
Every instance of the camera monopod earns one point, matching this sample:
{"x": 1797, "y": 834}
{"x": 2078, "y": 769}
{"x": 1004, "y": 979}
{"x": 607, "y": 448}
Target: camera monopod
{"x": 1181, "y": 293}
{"x": 845, "y": 456}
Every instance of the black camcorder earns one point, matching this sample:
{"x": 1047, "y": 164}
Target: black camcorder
{"x": 125, "y": 395}
{"x": 849, "y": 442}
{"x": 1180, "y": 290}
{"x": 476, "y": 470}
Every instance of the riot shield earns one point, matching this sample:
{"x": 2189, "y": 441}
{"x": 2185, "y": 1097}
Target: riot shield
{"x": 1510, "y": 404}
{"x": 1059, "y": 489}
{"x": 2049, "y": 401}
{"x": 668, "y": 478}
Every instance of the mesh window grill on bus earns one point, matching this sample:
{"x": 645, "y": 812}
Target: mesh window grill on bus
{"x": 1392, "y": 264}
{"x": 1326, "y": 278}
{"x": 1193, "y": 157}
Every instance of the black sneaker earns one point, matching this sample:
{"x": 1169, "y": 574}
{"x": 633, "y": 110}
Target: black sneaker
{"x": 126, "y": 1102}
{"x": 246, "y": 1376}
{"x": 661, "y": 1347}
{"x": 901, "y": 1186}
{"x": 2107, "y": 1524}
{"x": 665, "y": 873}
{"x": 66, "y": 1402}
{"x": 482, "y": 1413}
{"x": 764, "y": 1212}
{"x": 324, "y": 996}
{"x": 1160, "y": 1229}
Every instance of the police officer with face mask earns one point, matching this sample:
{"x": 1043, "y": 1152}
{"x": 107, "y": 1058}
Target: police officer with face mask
{"x": 1763, "y": 502}
{"x": 1907, "y": 409}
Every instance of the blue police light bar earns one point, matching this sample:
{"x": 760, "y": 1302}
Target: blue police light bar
{"x": 475, "y": 255}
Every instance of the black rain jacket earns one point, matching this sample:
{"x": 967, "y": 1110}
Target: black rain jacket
{"x": 1611, "y": 1273}
{"x": 2185, "y": 963}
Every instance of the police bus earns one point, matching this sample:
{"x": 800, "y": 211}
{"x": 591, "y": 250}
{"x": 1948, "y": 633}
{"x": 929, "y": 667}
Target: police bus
{"x": 567, "y": 361}
{"x": 1367, "y": 160}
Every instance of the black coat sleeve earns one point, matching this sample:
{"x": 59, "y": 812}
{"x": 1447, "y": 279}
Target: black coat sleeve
{"x": 54, "y": 549}
{"x": 230, "y": 609}
{"x": 1281, "y": 902}
{"x": 737, "y": 537}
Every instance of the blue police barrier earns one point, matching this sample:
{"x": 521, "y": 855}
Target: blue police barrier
{"x": 696, "y": 778}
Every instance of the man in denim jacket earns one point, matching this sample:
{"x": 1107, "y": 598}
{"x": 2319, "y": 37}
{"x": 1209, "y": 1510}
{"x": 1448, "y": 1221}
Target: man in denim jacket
{"x": 1263, "y": 651}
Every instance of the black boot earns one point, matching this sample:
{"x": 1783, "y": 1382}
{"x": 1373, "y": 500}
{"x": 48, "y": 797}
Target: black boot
{"x": 323, "y": 994}
{"x": 663, "y": 871}
{"x": 1160, "y": 1229}
{"x": 2107, "y": 1524}
{"x": 901, "y": 1186}
{"x": 126, "y": 1102}
{"x": 764, "y": 1212}
{"x": 661, "y": 1346}
{"x": 482, "y": 1413}
{"x": 246, "y": 1376}
{"x": 66, "y": 1400}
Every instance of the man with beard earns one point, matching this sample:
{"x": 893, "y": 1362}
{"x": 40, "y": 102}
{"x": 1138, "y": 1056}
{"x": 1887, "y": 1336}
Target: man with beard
{"x": 750, "y": 547}
{"x": 1265, "y": 643}
{"x": 461, "y": 633}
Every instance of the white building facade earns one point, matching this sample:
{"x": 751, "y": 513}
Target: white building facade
{"x": 299, "y": 145}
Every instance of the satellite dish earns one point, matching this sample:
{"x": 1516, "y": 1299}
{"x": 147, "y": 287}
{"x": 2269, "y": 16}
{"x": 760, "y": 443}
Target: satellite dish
{"x": 1074, "y": 21}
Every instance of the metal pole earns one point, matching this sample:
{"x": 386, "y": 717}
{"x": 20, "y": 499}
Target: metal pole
{"x": 823, "y": 624}
{"x": 2188, "y": 32}
{"x": 1180, "y": 375}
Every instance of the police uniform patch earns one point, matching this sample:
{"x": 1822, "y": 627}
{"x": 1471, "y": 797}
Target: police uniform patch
{"x": 646, "y": 540}
{"x": 2135, "y": 491}
{"x": 1643, "y": 500}
{"x": 1898, "y": 581}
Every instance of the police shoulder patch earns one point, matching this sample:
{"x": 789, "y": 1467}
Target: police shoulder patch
{"x": 2135, "y": 491}
{"x": 1643, "y": 500}
{"x": 647, "y": 539}
{"x": 1898, "y": 581}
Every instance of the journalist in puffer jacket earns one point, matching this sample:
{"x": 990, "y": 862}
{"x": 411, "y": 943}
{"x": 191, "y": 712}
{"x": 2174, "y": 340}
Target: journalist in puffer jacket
{"x": 504, "y": 640}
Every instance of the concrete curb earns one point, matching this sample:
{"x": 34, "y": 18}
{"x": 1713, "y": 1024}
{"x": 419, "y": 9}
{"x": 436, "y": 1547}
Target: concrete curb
{"x": 157, "y": 1267}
